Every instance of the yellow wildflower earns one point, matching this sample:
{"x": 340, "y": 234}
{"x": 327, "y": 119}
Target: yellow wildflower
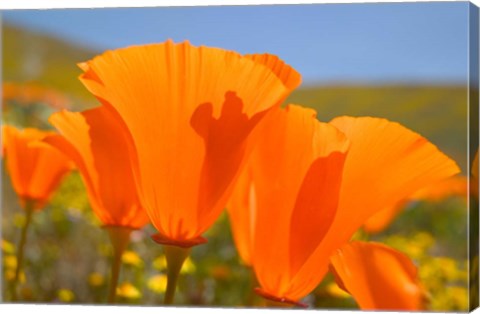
{"x": 65, "y": 295}
{"x": 10, "y": 261}
{"x": 10, "y": 274}
{"x": 131, "y": 258}
{"x": 158, "y": 284}
{"x": 8, "y": 247}
{"x": 334, "y": 290}
{"x": 96, "y": 279}
{"x": 160, "y": 263}
{"x": 128, "y": 291}
{"x": 188, "y": 267}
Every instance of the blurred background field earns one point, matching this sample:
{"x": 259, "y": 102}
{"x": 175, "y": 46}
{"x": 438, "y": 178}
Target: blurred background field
{"x": 67, "y": 258}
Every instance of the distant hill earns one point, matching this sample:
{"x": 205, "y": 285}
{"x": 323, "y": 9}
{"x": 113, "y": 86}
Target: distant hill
{"x": 437, "y": 112}
{"x": 32, "y": 56}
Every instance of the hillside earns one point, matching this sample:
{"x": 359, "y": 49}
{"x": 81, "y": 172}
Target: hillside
{"x": 31, "y": 56}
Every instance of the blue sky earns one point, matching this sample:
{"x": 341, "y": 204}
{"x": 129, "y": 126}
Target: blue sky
{"x": 326, "y": 43}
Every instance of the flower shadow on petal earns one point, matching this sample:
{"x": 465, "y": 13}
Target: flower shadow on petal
{"x": 226, "y": 146}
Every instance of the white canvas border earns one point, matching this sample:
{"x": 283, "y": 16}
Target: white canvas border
{"x": 97, "y": 309}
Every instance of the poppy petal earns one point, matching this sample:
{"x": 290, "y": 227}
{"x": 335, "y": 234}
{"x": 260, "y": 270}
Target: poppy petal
{"x": 386, "y": 163}
{"x": 35, "y": 170}
{"x": 95, "y": 141}
{"x": 453, "y": 186}
{"x": 64, "y": 146}
{"x": 383, "y": 218}
{"x": 20, "y": 163}
{"x": 318, "y": 196}
{"x": 241, "y": 211}
{"x": 293, "y": 150}
{"x": 171, "y": 98}
{"x": 378, "y": 277}
{"x": 184, "y": 244}
{"x": 290, "y": 78}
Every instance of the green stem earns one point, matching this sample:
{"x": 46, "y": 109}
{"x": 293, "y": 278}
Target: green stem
{"x": 175, "y": 257}
{"x": 21, "y": 248}
{"x": 253, "y": 284}
{"x": 119, "y": 237}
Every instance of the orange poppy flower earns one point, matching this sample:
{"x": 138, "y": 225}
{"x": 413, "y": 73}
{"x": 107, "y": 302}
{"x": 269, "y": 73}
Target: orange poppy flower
{"x": 191, "y": 114}
{"x": 380, "y": 220}
{"x": 29, "y": 93}
{"x": 385, "y": 163}
{"x": 241, "y": 208}
{"x": 288, "y": 193}
{"x": 97, "y": 144}
{"x": 378, "y": 277}
{"x": 453, "y": 186}
{"x": 35, "y": 169}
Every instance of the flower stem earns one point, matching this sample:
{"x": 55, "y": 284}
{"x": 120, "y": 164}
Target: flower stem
{"x": 21, "y": 248}
{"x": 251, "y": 291}
{"x": 119, "y": 236}
{"x": 175, "y": 256}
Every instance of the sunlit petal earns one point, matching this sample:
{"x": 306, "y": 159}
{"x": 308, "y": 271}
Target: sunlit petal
{"x": 35, "y": 170}
{"x": 291, "y": 190}
{"x": 378, "y": 277}
{"x": 385, "y": 163}
{"x": 383, "y": 218}
{"x": 453, "y": 186}
{"x": 190, "y": 112}
{"x": 97, "y": 144}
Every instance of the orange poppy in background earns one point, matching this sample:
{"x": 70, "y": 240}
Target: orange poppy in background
{"x": 190, "y": 114}
{"x": 35, "y": 169}
{"x": 385, "y": 163}
{"x": 453, "y": 186}
{"x": 378, "y": 277}
{"x": 30, "y": 93}
{"x": 97, "y": 145}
